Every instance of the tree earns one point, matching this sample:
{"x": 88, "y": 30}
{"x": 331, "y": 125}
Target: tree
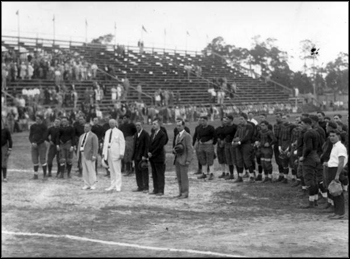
{"x": 105, "y": 39}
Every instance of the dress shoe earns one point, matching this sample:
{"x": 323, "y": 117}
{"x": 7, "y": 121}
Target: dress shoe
{"x": 211, "y": 176}
{"x": 93, "y": 187}
{"x": 203, "y": 176}
{"x": 259, "y": 177}
{"x": 145, "y": 191}
{"x": 177, "y": 196}
{"x": 251, "y": 180}
{"x": 183, "y": 197}
{"x": 137, "y": 190}
{"x": 85, "y": 187}
{"x": 222, "y": 175}
{"x": 229, "y": 177}
{"x": 4, "y": 180}
{"x": 336, "y": 216}
{"x": 159, "y": 194}
{"x": 50, "y": 174}
{"x": 285, "y": 180}
{"x": 109, "y": 188}
{"x": 198, "y": 172}
{"x": 153, "y": 193}
{"x": 238, "y": 180}
{"x": 35, "y": 177}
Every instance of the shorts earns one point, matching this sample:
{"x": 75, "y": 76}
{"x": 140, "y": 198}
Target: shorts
{"x": 206, "y": 154}
{"x": 39, "y": 154}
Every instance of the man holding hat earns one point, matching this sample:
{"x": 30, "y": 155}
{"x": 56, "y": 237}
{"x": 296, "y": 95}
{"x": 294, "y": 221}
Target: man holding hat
{"x": 140, "y": 157}
{"x": 230, "y": 151}
{"x": 183, "y": 151}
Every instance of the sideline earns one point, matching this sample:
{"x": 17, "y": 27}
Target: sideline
{"x": 120, "y": 244}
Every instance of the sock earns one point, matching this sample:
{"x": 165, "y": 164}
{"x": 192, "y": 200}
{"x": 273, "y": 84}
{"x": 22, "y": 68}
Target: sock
{"x": 4, "y": 172}
{"x": 50, "y": 168}
{"x": 260, "y": 169}
{"x": 282, "y": 175}
{"x": 311, "y": 198}
{"x": 269, "y": 175}
{"x": 231, "y": 169}
{"x": 316, "y": 197}
{"x": 44, "y": 169}
{"x": 36, "y": 168}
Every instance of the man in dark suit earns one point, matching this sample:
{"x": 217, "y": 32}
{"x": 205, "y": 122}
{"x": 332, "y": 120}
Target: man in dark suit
{"x": 156, "y": 156}
{"x": 141, "y": 145}
{"x": 183, "y": 159}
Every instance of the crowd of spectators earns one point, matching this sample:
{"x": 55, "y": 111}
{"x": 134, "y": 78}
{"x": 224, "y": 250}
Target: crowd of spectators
{"x": 60, "y": 65}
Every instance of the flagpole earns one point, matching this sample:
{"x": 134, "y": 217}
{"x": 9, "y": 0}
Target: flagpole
{"x": 85, "y": 31}
{"x": 164, "y": 39}
{"x": 115, "y": 33}
{"x": 54, "y": 33}
{"x": 18, "y": 29}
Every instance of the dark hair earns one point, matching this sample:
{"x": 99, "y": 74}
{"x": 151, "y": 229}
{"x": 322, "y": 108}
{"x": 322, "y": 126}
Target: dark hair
{"x": 334, "y": 131}
{"x": 264, "y": 122}
{"x": 182, "y": 122}
{"x": 307, "y": 121}
{"x": 244, "y": 115}
{"x": 339, "y": 115}
{"x": 321, "y": 113}
{"x": 327, "y": 118}
{"x": 332, "y": 124}
{"x": 313, "y": 117}
{"x": 204, "y": 117}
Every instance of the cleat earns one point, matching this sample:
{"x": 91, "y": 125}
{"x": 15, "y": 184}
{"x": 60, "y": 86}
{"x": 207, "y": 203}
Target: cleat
{"x": 35, "y": 177}
{"x": 203, "y": 176}
{"x": 238, "y": 180}
{"x": 222, "y": 175}
{"x": 251, "y": 180}
{"x": 267, "y": 179}
{"x": 229, "y": 177}
{"x": 258, "y": 178}
{"x": 211, "y": 176}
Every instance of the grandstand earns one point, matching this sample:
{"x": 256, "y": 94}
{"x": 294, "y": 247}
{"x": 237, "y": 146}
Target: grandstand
{"x": 154, "y": 69}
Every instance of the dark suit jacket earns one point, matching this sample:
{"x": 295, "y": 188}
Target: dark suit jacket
{"x": 176, "y": 131}
{"x": 141, "y": 145}
{"x": 157, "y": 147}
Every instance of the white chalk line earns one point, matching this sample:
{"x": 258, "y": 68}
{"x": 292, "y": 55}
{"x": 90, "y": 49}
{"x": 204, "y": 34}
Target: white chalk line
{"x": 120, "y": 244}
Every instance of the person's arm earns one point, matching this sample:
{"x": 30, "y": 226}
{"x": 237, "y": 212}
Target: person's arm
{"x": 147, "y": 144}
{"x": 248, "y": 134}
{"x": 340, "y": 167}
{"x": 94, "y": 147}
{"x": 194, "y": 137}
{"x": 9, "y": 139}
{"x": 308, "y": 147}
{"x": 189, "y": 147}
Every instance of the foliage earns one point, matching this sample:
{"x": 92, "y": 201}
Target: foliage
{"x": 267, "y": 59}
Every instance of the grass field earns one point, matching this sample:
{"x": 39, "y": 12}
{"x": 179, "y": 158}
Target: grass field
{"x": 58, "y": 219}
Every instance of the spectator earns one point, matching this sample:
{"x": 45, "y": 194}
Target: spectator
{"x": 94, "y": 68}
{"x": 139, "y": 91}
{"x": 23, "y": 71}
{"x": 114, "y": 93}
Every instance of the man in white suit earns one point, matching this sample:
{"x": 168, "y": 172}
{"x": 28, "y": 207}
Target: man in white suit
{"x": 88, "y": 148}
{"x": 113, "y": 153}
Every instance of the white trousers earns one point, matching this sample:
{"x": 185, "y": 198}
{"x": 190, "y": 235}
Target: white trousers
{"x": 116, "y": 174}
{"x": 89, "y": 174}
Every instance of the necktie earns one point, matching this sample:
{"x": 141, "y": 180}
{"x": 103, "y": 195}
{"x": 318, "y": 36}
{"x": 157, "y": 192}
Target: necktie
{"x": 110, "y": 136}
{"x": 82, "y": 145}
{"x": 154, "y": 136}
{"x": 177, "y": 138}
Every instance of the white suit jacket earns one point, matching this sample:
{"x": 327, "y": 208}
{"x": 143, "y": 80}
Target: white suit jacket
{"x": 117, "y": 144}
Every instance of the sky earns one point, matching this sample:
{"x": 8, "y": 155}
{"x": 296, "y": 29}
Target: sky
{"x": 188, "y": 25}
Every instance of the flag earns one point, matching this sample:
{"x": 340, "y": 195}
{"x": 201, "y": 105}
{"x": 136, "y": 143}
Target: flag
{"x": 17, "y": 12}
{"x": 86, "y": 22}
{"x": 53, "y": 19}
{"x": 188, "y": 33}
{"x": 143, "y": 28}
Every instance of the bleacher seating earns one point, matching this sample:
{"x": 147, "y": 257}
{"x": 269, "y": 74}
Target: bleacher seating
{"x": 153, "y": 70}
